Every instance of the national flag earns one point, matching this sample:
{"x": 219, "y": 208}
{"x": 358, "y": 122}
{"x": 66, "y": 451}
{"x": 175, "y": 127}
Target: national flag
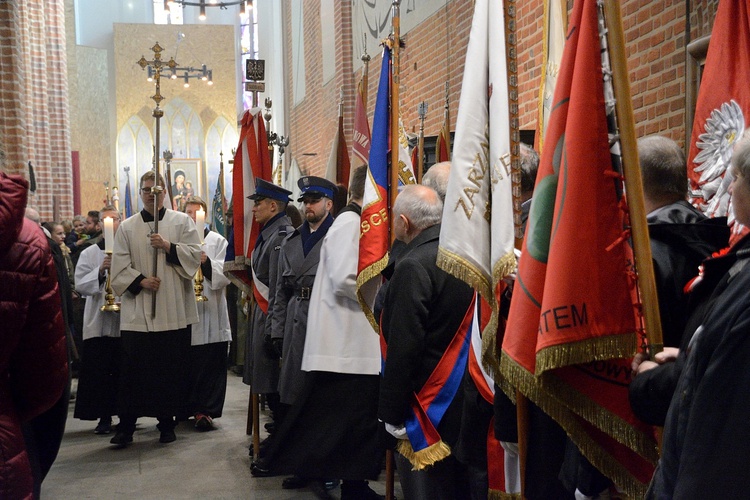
{"x": 374, "y": 230}
{"x": 338, "y": 161}
{"x": 361, "y": 139}
{"x": 572, "y": 323}
{"x": 443, "y": 143}
{"x": 721, "y": 112}
{"x": 251, "y": 160}
{"x": 477, "y": 238}
{"x": 128, "y": 199}
{"x": 218, "y": 205}
{"x": 375, "y": 219}
{"x": 555, "y": 19}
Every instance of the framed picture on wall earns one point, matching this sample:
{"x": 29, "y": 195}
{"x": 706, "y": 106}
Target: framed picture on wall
{"x": 187, "y": 178}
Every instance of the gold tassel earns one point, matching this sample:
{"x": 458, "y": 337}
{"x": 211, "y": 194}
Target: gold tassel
{"x": 585, "y": 351}
{"x": 366, "y": 275}
{"x": 547, "y": 394}
{"x": 457, "y": 266}
{"x": 501, "y": 495}
{"x": 423, "y": 458}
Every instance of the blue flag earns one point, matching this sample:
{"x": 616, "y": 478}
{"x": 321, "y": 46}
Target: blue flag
{"x": 128, "y": 200}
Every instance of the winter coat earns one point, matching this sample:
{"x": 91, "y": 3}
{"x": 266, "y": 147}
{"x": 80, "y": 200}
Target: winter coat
{"x": 33, "y": 358}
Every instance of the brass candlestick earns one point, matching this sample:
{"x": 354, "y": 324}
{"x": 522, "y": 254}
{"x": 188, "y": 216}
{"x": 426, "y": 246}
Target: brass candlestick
{"x": 110, "y": 304}
{"x": 198, "y": 287}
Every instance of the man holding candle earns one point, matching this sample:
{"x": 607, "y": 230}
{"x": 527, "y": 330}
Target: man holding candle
{"x": 100, "y": 363}
{"x": 155, "y": 340}
{"x": 211, "y": 336}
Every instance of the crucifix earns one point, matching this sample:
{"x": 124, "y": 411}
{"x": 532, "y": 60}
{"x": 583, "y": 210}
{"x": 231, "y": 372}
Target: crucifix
{"x": 157, "y": 65}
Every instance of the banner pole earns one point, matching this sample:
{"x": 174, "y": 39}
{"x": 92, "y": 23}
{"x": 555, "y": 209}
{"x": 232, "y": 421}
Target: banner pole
{"x": 632, "y": 174}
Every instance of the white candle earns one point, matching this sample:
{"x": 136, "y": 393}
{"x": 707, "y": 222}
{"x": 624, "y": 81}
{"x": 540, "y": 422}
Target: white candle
{"x": 109, "y": 234}
{"x": 200, "y": 219}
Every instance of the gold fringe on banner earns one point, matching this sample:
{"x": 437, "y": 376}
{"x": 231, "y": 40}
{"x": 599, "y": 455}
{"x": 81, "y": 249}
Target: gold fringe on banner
{"x": 585, "y": 351}
{"x": 461, "y": 268}
{"x": 501, "y": 495}
{"x": 423, "y": 458}
{"x": 602, "y": 419}
{"x": 533, "y": 389}
{"x": 504, "y": 266}
{"x": 370, "y": 272}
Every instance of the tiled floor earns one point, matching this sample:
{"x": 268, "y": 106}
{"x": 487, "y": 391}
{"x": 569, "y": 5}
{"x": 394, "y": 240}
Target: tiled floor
{"x": 206, "y": 465}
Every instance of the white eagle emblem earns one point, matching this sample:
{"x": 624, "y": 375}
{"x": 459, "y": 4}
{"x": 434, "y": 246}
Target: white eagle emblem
{"x": 724, "y": 128}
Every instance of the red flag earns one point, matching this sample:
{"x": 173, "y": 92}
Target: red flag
{"x": 415, "y": 156}
{"x": 723, "y": 102}
{"x": 572, "y": 321}
{"x": 338, "y": 162}
{"x": 251, "y": 160}
{"x": 375, "y": 225}
{"x": 443, "y": 144}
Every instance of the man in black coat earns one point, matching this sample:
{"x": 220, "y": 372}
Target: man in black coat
{"x": 681, "y": 238}
{"x": 423, "y": 311}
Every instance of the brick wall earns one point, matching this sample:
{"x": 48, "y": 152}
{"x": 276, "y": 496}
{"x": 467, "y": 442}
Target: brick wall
{"x": 34, "y": 124}
{"x": 655, "y": 32}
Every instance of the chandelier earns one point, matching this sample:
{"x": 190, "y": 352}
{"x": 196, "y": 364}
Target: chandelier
{"x": 202, "y": 4}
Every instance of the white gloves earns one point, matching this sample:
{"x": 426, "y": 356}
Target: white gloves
{"x": 397, "y": 432}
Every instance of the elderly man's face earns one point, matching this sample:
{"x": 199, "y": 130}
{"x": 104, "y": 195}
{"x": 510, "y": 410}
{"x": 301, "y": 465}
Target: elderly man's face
{"x": 740, "y": 191}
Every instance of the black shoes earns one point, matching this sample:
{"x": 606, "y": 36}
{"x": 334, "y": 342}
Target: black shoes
{"x": 260, "y": 468}
{"x": 121, "y": 439}
{"x": 203, "y": 422}
{"x": 294, "y": 483}
{"x": 167, "y": 436}
{"x": 358, "y": 490}
{"x": 104, "y": 426}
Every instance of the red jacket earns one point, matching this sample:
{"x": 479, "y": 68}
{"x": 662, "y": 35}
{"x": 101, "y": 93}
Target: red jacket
{"x": 33, "y": 359}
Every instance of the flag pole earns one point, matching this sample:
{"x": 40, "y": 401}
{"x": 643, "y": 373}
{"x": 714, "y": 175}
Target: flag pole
{"x": 632, "y": 174}
{"x": 366, "y": 60}
{"x": 522, "y": 403}
{"x": 422, "y": 112}
{"x": 447, "y": 117}
{"x": 395, "y": 81}
{"x": 221, "y": 194}
{"x": 393, "y": 188}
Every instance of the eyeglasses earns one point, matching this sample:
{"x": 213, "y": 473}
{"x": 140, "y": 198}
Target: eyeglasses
{"x": 153, "y": 190}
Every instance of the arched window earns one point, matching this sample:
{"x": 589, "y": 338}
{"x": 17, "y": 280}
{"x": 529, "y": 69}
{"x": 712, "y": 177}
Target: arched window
{"x": 182, "y": 130}
{"x": 221, "y": 138}
{"x": 134, "y": 150}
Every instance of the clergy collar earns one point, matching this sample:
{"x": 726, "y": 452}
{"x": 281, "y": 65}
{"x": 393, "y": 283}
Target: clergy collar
{"x": 147, "y": 217}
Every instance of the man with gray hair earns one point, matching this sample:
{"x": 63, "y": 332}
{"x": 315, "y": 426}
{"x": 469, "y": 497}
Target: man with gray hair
{"x": 424, "y": 313}
{"x": 436, "y": 178}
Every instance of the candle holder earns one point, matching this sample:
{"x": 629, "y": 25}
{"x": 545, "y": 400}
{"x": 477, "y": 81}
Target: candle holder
{"x": 110, "y": 305}
{"x": 198, "y": 287}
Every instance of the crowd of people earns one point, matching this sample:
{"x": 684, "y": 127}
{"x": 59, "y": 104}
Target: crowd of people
{"x": 339, "y": 393}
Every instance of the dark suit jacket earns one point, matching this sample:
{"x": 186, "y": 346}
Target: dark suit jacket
{"x": 424, "y": 307}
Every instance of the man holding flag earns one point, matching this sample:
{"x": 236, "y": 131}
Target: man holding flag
{"x": 425, "y": 343}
